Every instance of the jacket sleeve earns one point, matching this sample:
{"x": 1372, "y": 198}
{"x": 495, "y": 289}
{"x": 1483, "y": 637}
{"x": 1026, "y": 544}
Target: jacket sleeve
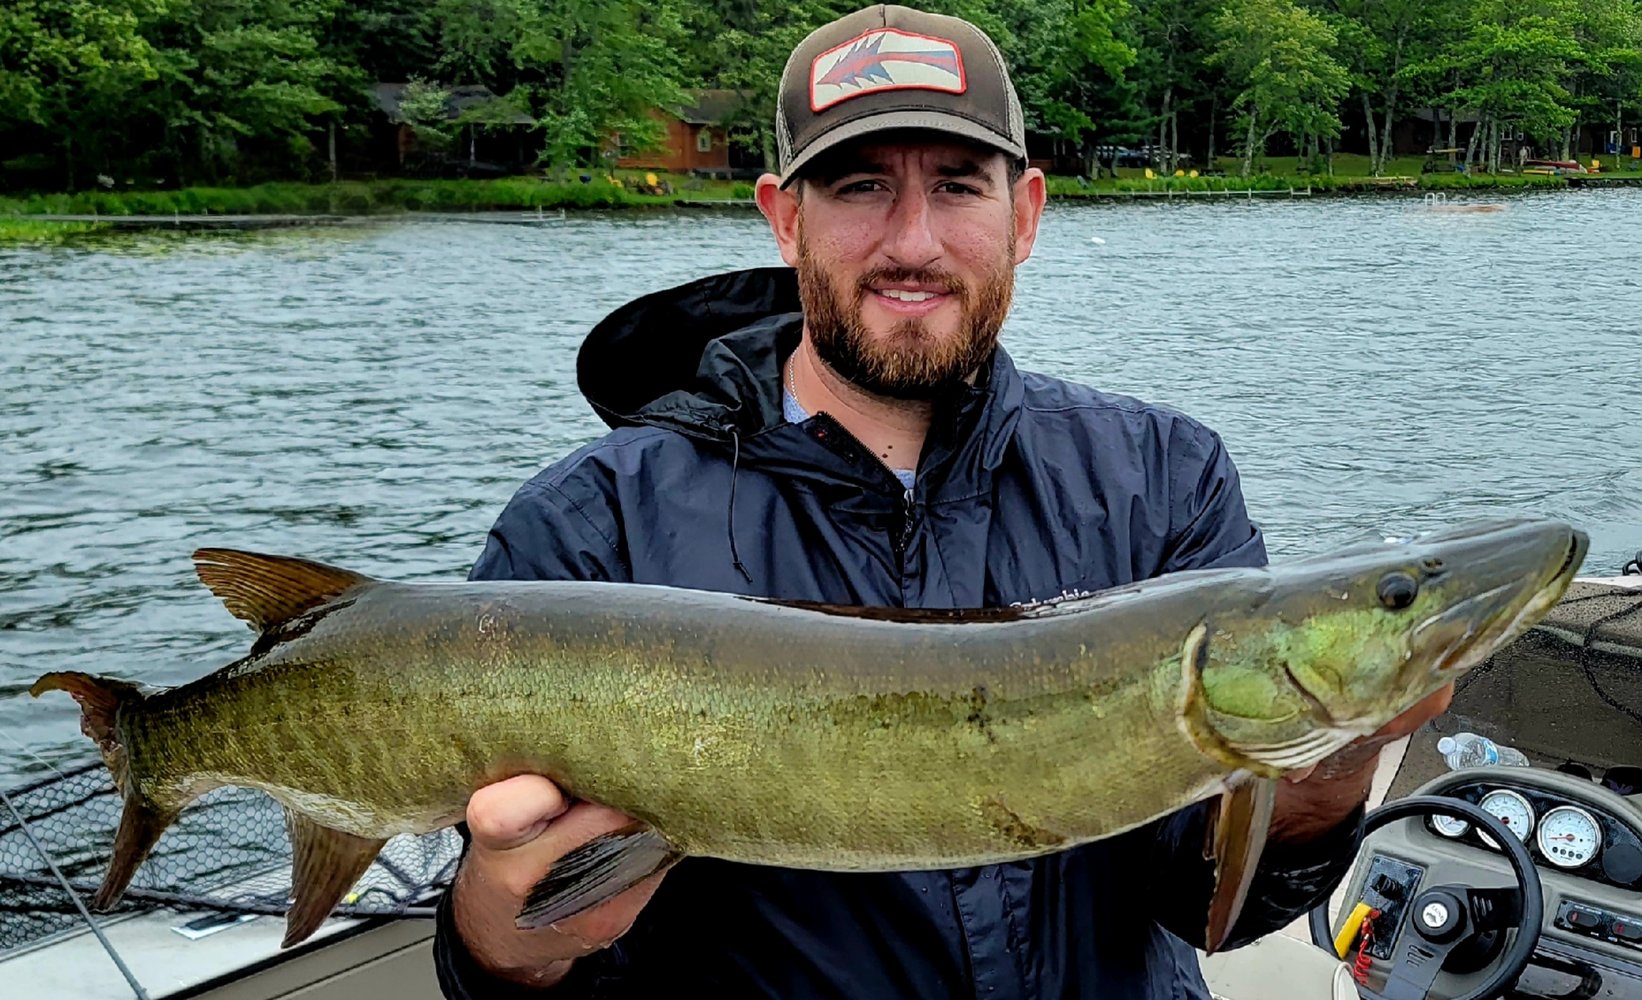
{"x": 548, "y": 531}
{"x": 1210, "y": 527}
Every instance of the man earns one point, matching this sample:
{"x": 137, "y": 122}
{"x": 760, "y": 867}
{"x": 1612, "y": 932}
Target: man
{"x": 851, "y": 433}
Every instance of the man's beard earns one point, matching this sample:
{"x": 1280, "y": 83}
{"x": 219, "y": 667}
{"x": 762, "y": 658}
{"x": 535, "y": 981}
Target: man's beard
{"x": 911, "y": 362}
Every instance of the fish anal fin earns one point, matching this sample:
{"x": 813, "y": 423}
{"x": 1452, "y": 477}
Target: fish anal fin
{"x": 1236, "y": 841}
{"x": 268, "y": 591}
{"x": 141, "y": 824}
{"x": 598, "y": 870}
{"x": 325, "y": 864}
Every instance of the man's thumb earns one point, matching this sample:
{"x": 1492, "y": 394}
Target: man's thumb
{"x": 512, "y": 813}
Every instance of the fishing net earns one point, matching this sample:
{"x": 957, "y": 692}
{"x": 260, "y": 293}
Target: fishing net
{"x": 1567, "y": 694}
{"x": 226, "y": 855}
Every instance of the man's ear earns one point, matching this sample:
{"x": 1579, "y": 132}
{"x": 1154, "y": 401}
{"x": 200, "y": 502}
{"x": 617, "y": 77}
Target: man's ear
{"x": 1031, "y": 191}
{"x": 780, "y": 207}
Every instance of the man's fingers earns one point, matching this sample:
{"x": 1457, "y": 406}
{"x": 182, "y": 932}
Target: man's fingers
{"x": 514, "y": 812}
{"x": 1432, "y": 706}
{"x": 515, "y": 869}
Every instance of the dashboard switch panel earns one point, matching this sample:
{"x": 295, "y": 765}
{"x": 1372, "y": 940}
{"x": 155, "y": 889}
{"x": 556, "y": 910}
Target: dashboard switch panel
{"x": 1388, "y": 885}
{"x": 1593, "y": 921}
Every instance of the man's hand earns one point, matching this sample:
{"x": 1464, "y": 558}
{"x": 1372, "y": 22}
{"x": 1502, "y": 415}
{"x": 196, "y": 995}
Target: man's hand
{"x": 519, "y": 828}
{"x": 1311, "y": 805}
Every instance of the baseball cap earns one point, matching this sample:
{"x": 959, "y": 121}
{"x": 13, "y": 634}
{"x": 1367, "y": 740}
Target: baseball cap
{"x": 890, "y": 67}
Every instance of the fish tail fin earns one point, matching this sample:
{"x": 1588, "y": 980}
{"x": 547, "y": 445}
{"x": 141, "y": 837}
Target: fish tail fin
{"x": 102, "y": 699}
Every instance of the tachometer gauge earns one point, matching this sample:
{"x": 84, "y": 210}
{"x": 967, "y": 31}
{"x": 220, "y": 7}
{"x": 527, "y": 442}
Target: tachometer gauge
{"x": 1449, "y": 826}
{"x": 1512, "y": 809}
{"x": 1569, "y": 837}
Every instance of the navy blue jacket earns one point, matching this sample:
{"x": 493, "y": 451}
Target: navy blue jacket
{"x": 1029, "y": 487}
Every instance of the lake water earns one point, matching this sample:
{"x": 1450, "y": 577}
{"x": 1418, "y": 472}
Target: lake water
{"x": 371, "y": 396}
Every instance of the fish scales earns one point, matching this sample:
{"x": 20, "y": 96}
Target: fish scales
{"x": 778, "y": 736}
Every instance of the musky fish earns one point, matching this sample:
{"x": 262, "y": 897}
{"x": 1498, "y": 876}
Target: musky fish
{"x": 797, "y": 734}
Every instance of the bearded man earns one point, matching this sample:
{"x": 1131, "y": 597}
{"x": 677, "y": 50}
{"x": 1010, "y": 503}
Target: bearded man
{"x": 849, "y": 431}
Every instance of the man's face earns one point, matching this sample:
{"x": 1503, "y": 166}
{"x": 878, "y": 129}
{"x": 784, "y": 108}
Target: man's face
{"x": 905, "y": 256}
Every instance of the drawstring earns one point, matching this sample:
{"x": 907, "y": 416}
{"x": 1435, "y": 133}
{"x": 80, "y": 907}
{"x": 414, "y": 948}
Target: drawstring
{"x": 735, "y": 461}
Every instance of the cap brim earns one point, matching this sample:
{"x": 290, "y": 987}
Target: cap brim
{"x": 884, "y": 121}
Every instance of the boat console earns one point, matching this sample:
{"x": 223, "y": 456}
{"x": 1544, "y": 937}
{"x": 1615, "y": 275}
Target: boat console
{"x": 1567, "y": 695}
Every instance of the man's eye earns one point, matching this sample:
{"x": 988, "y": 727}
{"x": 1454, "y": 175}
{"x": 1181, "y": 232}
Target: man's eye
{"x": 953, "y": 187}
{"x": 855, "y": 186}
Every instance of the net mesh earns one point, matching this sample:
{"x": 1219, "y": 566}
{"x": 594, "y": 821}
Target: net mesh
{"x": 228, "y": 853}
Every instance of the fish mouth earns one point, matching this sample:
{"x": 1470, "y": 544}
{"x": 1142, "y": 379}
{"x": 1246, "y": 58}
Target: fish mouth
{"x": 1480, "y": 624}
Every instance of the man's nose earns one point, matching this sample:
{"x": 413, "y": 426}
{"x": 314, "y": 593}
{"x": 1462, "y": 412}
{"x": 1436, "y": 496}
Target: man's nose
{"x": 911, "y": 241}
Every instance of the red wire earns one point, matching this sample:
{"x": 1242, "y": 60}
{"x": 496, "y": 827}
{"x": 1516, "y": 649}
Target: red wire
{"x": 1365, "y": 961}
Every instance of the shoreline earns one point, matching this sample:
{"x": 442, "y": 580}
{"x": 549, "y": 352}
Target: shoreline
{"x": 529, "y": 201}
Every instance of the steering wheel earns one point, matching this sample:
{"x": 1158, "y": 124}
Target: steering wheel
{"x": 1442, "y": 918}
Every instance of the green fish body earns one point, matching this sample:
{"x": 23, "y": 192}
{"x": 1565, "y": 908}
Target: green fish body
{"x": 799, "y": 735}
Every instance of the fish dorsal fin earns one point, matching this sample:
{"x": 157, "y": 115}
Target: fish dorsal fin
{"x": 269, "y": 591}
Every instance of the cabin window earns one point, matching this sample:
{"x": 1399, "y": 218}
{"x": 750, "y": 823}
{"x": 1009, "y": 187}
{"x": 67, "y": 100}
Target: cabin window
{"x": 704, "y": 141}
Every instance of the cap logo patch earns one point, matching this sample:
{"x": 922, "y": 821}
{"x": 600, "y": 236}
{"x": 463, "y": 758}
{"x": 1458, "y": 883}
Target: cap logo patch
{"x": 885, "y": 59}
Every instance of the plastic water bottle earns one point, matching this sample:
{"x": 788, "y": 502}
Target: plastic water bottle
{"x": 1470, "y": 750}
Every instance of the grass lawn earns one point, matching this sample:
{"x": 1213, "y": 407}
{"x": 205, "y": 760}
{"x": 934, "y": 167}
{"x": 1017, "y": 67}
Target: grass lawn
{"x": 620, "y": 189}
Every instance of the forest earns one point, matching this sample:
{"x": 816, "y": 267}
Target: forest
{"x": 168, "y": 93}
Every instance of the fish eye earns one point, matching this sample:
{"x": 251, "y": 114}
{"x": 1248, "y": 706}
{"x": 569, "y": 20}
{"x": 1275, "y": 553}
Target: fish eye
{"x": 1398, "y": 590}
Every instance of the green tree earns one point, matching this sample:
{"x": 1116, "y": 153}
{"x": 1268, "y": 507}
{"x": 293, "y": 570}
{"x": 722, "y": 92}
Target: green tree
{"x": 1377, "y": 41}
{"x": 1607, "y": 77}
{"x": 746, "y": 45}
{"x": 585, "y": 69}
{"x": 1514, "y": 65}
{"x": 67, "y": 70}
{"x": 1280, "y": 57}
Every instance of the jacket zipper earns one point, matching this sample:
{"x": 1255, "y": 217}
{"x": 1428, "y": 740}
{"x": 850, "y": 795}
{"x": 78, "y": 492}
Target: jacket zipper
{"x": 903, "y": 535}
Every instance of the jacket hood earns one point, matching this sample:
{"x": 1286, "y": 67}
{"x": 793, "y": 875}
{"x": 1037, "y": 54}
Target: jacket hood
{"x": 700, "y": 358}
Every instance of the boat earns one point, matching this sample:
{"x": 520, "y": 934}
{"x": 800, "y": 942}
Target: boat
{"x": 204, "y": 917}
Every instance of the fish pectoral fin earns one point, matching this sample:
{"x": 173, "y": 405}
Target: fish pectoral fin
{"x": 268, "y": 591}
{"x": 325, "y": 864}
{"x": 1295, "y": 754}
{"x": 594, "y": 872}
{"x": 1238, "y": 837}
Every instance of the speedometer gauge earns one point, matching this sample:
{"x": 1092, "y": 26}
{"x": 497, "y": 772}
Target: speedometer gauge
{"x": 1512, "y": 809}
{"x": 1449, "y": 826}
{"x": 1569, "y": 837}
